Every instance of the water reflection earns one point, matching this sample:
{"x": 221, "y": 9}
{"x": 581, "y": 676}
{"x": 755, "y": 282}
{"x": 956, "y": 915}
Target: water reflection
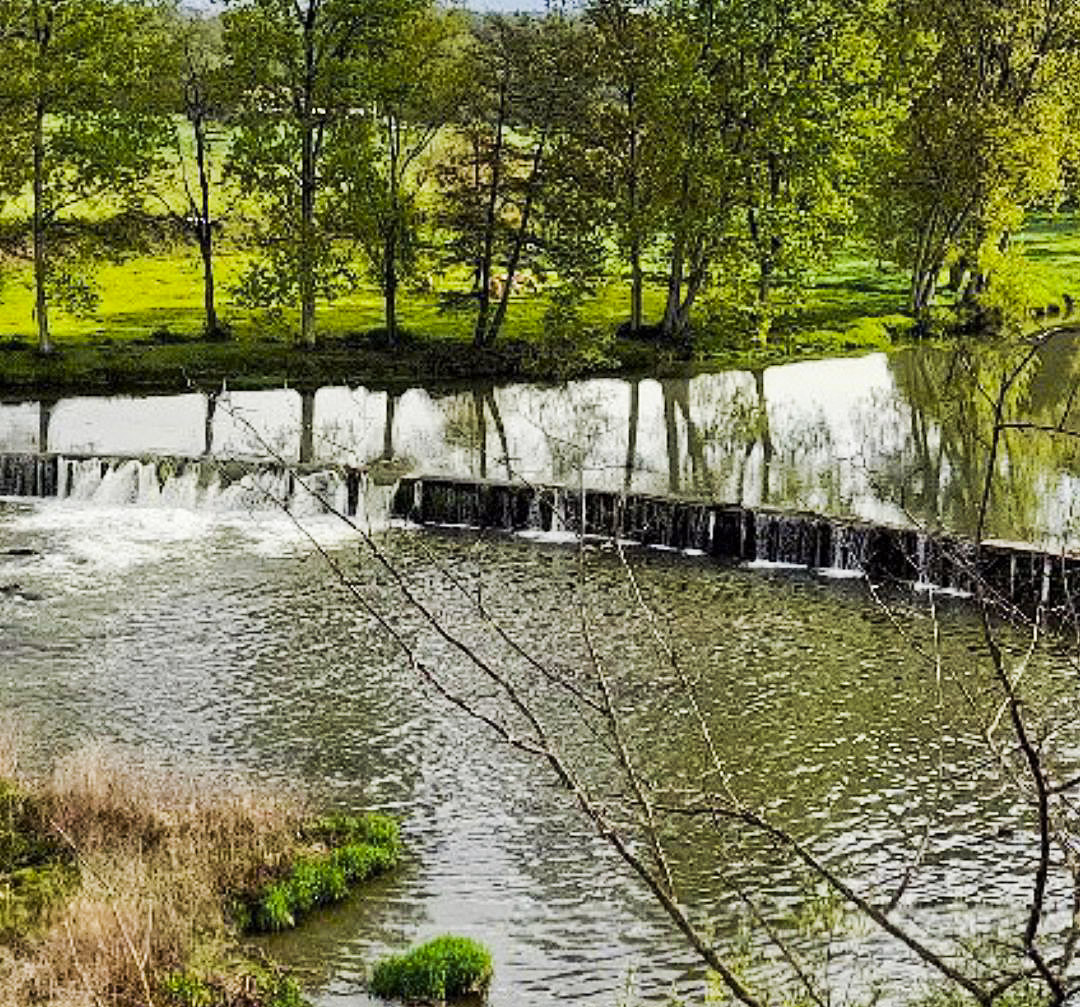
{"x": 899, "y": 439}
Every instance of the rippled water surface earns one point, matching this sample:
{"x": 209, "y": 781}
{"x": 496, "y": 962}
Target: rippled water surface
{"x": 225, "y": 640}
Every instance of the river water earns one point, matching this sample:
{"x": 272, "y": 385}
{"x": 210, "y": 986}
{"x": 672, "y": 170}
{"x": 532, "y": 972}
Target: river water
{"x": 898, "y": 439}
{"x": 222, "y": 638}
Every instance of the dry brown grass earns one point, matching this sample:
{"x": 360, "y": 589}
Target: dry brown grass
{"x": 156, "y": 849}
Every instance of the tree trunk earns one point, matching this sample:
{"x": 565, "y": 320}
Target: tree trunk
{"x": 519, "y": 242}
{"x": 308, "y": 183}
{"x": 637, "y": 288}
{"x": 390, "y": 284}
{"x": 764, "y": 322}
{"x": 637, "y": 281}
{"x": 694, "y": 282}
{"x": 205, "y": 234}
{"x": 390, "y": 241}
{"x": 670, "y": 325}
{"x": 41, "y": 306}
{"x": 674, "y": 287}
{"x": 209, "y": 310}
{"x": 480, "y": 332}
{"x": 307, "y": 236}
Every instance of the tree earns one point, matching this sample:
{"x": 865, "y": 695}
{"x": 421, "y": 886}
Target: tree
{"x": 805, "y": 93}
{"x": 78, "y": 127}
{"x": 303, "y": 72}
{"x": 526, "y": 76}
{"x": 413, "y": 93}
{"x": 987, "y": 100}
{"x": 198, "y": 91}
{"x": 730, "y": 131}
{"x": 621, "y": 150}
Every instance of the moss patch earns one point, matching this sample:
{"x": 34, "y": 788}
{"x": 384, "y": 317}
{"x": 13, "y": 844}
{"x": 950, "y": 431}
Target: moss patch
{"x": 36, "y": 870}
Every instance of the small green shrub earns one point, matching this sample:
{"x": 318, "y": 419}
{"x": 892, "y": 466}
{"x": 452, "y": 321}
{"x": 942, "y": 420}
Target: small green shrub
{"x": 898, "y": 326}
{"x": 27, "y": 895}
{"x": 361, "y": 861}
{"x": 866, "y": 332}
{"x": 360, "y": 847}
{"x": 339, "y": 829}
{"x": 186, "y": 990}
{"x": 273, "y": 910}
{"x": 440, "y": 969}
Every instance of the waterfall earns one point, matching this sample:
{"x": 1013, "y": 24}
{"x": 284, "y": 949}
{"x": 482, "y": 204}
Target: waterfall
{"x": 196, "y": 484}
{"x": 1022, "y": 574}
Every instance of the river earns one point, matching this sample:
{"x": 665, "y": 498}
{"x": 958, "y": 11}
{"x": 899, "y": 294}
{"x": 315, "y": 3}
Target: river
{"x": 218, "y": 636}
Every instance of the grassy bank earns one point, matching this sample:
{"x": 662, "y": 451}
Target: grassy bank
{"x": 130, "y": 886}
{"x": 195, "y": 364}
{"x": 160, "y": 348}
{"x": 145, "y": 333}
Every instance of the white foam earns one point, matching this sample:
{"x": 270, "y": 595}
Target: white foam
{"x": 923, "y": 587}
{"x": 769, "y": 564}
{"x": 839, "y": 573}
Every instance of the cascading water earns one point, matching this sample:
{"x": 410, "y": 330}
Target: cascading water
{"x": 198, "y": 484}
{"x": 835, "y": 546}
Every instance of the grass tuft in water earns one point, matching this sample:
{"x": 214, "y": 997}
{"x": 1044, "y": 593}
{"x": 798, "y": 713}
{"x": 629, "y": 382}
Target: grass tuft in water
{"x": 442, "y": 969}
{"x": 344, "y": 851}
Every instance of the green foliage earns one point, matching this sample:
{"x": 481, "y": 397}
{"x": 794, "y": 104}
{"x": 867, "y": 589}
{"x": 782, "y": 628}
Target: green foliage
{"x": 440, "y": 969}
{"x": 372, "y": 828}
{"x": 378, "y": 173}
{"x": 984, "y": 130}
{"x": 28, "y": 893}
{"x": 186, "y": 990}
{"x": 78, "y": 124}
{"x": 265, "y": 985}
{"x": 305, "y": 72}
{"x": 498, "y": 201}
{"x": 360, "y": 847}
{"x": 709, "y": 159}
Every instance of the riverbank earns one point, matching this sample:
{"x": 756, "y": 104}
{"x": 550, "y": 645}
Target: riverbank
{"x": 137, "y": 883}
{"x": 173, "y": 364}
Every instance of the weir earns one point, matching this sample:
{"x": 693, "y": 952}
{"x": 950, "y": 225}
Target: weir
{"x": 1022, "y": 574}
{"x": 1019, "y": 573}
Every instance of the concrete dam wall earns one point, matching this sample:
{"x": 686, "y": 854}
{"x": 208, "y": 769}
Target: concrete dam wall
{"x": 1014, "y": 572}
